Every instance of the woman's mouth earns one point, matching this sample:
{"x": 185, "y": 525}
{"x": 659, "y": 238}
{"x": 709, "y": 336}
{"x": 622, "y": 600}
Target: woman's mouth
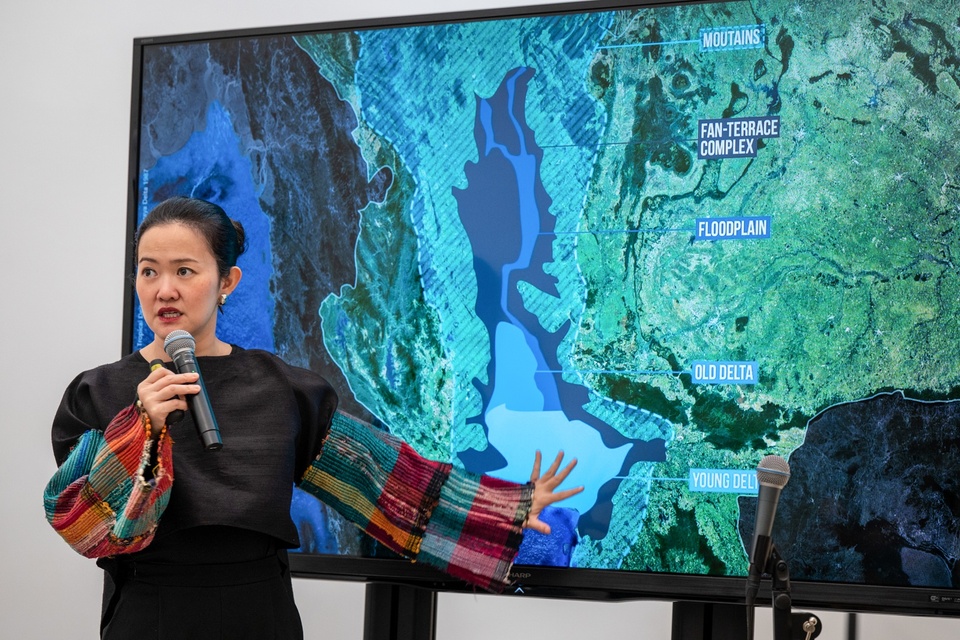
{"x": 168, "y": 315}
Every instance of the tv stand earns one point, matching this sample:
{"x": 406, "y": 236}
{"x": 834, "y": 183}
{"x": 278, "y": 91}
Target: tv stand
{"x": 709, "y": 621}
{"x": 399, "y": 612}
{"x": 404, "y": 612}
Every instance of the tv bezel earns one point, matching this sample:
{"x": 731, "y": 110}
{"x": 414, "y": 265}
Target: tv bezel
{"x": 530, "y": 581}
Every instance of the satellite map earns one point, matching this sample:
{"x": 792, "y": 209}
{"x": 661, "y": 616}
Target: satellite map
{"x": 667, "y": 241}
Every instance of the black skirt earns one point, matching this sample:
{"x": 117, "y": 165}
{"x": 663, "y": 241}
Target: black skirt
{"x": 240, "y": 590}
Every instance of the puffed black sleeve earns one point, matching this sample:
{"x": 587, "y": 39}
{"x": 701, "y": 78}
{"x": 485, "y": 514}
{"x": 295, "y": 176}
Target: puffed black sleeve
{"x": 90, "y": 402}
{"x": 317, "y": 402}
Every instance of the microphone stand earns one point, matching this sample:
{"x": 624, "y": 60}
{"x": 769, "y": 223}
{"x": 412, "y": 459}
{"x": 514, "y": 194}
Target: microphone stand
{"x": 786, "y": 624}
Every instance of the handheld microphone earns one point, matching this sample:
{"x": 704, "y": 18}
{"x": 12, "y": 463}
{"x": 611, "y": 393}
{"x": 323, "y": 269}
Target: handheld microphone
{"x": 181, "y": 347}
{"x": 773, "y": 472}
{"x": 176, "y": 415}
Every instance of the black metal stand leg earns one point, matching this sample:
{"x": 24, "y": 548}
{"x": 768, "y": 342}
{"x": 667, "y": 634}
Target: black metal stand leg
{"x": 788, "y": 625}
{"x": 394, "y": 612}
{"x": 707, "y": 621}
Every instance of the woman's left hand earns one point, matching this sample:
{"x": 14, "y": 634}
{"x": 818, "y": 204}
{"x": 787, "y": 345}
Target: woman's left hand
{"x": 544, "y": 493}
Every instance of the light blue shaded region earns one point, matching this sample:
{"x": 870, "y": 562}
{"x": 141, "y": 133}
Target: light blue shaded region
{"x": 212, "y": 166}
{"x": 518, "y": 435}
{"x": 515, "y": 366}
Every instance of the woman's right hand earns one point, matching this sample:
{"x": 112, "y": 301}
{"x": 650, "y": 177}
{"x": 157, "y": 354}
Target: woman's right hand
{"x": 162, "y": 392}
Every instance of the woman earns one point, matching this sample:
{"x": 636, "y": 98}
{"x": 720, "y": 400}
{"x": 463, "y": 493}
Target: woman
{"x": 204, "y": 555}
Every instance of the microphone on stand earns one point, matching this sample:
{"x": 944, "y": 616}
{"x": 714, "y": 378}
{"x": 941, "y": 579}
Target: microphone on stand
{"x": 181, "y": 347}
{"x": 773, "y": 472}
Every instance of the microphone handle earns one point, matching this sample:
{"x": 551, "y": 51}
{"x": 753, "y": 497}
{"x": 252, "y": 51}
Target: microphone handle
{"x": 199, "y": 404}
{"x": 766, "y": 510}
{"x": 767, "y": 500}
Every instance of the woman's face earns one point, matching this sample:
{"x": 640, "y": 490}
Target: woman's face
{"x": 178, "y": 283}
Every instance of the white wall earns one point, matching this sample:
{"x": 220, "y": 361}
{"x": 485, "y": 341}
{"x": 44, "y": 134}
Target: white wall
{"x": 65, "y": 72}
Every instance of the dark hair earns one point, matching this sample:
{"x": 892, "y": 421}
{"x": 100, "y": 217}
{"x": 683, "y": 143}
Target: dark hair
{"x": 226, "y": 237}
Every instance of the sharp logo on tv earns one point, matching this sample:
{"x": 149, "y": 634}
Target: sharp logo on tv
{"x": 666, "y": 240}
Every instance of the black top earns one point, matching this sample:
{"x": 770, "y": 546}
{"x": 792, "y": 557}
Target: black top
{"x": 272, "y": 418}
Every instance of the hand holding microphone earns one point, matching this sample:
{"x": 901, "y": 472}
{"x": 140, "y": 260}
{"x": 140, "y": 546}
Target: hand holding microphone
{"x": 161, "y": 395}
{"x": 176, "y": 415}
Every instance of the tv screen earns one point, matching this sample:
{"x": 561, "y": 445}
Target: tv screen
{"x": 667, "y": 239}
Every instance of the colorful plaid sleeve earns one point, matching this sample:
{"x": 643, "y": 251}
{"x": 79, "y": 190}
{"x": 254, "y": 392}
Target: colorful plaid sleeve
{"x": 99, "y": 500}
{"x": 467, "y": 525}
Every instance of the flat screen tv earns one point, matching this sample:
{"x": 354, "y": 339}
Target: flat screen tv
{"x": 668, "y": 239}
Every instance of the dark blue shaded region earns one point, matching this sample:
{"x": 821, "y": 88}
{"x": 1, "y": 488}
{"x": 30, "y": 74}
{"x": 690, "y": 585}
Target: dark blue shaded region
{"x": 505, "y": 194}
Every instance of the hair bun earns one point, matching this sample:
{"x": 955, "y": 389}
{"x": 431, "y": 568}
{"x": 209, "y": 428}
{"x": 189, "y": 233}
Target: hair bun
{"x": 241, "y": 237}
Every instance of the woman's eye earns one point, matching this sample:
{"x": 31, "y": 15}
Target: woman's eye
{"x": 184, "y": 271}
{"x": 146, "y": 272}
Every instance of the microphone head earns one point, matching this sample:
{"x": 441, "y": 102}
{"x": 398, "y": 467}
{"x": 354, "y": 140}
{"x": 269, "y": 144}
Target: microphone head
{"x": 773, "y": 471}
{"x": 179, "y": 340}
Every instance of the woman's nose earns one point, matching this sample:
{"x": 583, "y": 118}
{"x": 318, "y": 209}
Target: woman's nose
{"x": 167, "y": 289}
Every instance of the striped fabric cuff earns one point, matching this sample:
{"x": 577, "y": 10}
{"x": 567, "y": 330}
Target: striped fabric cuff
{"x": 377, "y": 482}
{"x": 99, "y": 501}
{"x": 465, "y": 524}
{"x": 476, "y": 529}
